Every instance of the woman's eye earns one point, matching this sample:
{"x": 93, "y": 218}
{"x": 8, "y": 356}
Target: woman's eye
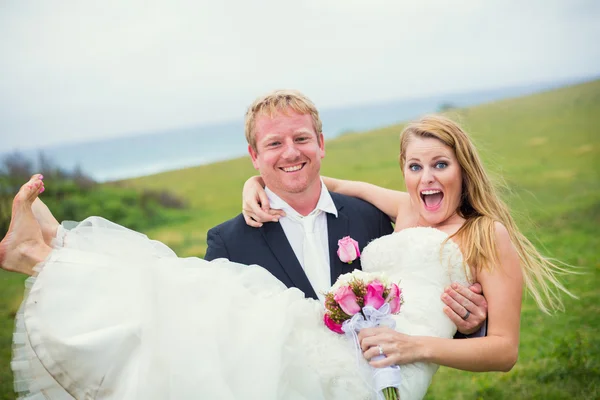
{"x": 441, "y": 165}
{"x": 414, "y": 167}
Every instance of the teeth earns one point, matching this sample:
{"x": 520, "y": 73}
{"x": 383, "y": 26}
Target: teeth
{"x": 292, "y": 169}
{"x": 428, "y": 192}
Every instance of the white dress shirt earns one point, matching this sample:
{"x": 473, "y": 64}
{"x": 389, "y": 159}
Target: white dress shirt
{"x": 294, "y": 231}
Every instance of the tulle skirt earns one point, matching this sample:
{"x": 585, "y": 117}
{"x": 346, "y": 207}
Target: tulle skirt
{"x": 114, "y": 315}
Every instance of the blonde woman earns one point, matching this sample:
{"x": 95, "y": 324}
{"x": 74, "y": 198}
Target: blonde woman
{"x": 111, "y": 314}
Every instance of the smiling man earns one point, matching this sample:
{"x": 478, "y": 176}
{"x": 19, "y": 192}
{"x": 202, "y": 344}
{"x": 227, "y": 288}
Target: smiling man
{"x": 286, "y": 144}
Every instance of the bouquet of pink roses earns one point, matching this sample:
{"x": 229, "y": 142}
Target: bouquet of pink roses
{"x": 362, "y": 300}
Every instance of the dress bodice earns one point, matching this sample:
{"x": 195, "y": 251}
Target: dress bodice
{"x": 419, "y": 253}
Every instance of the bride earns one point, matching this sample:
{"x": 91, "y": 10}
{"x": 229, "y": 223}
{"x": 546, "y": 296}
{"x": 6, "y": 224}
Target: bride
{"x": 110, "y": 314}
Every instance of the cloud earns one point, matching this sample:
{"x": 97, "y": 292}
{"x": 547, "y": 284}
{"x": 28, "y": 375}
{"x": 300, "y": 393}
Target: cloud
{"x": 76, "y": 70}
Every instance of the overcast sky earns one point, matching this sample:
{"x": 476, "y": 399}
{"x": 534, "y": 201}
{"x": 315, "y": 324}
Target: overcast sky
{"x": 78, "y": 70}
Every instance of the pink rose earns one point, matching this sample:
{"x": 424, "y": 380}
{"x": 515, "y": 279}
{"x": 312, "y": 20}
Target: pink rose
{"x": 331, "y": 324}
{"x": 374, "y": 296}
{"x": 346, "y": 298}
{"x": 348, "y": 250}
{"x": 394, "y": 299}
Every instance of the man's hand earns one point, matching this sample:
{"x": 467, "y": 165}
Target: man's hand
{"x": 466, "y": 307}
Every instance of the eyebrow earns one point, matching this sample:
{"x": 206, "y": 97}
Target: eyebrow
{"x": 271, "y": 137}
{"x": 434, "y": 158}
{"x": 304, "y": 131}
{"x": 277, "y": 136}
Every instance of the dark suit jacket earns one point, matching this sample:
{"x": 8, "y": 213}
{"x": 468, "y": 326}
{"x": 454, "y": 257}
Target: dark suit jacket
{"x": 268, "y": 246}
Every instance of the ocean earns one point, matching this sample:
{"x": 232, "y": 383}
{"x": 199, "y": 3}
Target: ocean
{"x": 154, "y": 152}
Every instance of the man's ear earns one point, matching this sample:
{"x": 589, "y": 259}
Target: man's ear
{"x": 322, "y": 144}
{"x": 253, "y": 156}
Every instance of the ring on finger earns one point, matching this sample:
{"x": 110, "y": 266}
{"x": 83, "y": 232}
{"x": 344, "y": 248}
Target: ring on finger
{"x": 380, "y": 349}
{"x": 466, "y": 315}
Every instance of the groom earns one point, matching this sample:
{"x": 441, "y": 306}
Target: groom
{"x": 286, "y": 144}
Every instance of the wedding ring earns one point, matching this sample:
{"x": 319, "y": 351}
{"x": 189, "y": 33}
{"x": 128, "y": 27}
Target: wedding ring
{"x": 380, "y": 350}
{"x": 466, "y": 315}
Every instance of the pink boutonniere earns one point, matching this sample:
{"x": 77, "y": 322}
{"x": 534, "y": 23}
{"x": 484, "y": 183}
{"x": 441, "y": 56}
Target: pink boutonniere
{"x": 348, "y": 250}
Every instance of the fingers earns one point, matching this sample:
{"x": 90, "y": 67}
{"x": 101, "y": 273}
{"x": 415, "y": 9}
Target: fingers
{"x": 457, "y": 317}
{"x": 371, "y": 345}
{"x": 472, "y": 301}
{"x": 257, "y": 218}
{"x": 372, "y": 337}
{"x": 396, "y": 347}
{"x": 250, "y": 221}
{"x": 256, "y": 207}
{"x": 368, "y": 337}
{"x": 458, "y": 321}
{"x": 463, "y": 302}
{"x": 460, "y": 292}
{"x": 457, "y": 302}
{"x": 385, "y": 362}
{"x": 373, "y": 351}
{"x": 264, "y": 200}
{"x": 255, "y": 204}
{"x": 455, "y": 310}
{"x": 476, "y": 288}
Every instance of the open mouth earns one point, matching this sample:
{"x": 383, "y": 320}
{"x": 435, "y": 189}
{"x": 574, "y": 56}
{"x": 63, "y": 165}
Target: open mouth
{"x": 432, "y": 199}
{"x": 293, "y": 168}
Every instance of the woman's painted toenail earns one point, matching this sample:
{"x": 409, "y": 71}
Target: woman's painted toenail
{"x": 42, "y": 190}
{"x": 41, "y": 176}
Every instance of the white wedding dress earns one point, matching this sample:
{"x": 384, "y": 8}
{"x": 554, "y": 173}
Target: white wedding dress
{"x": 114, "y": 315}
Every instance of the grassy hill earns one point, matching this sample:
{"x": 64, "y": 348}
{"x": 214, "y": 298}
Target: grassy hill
{"x": 543, "y": 146}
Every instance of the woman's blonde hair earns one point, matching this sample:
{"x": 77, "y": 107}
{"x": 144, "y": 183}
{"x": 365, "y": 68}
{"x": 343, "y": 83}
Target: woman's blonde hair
{"x": 481, "y": 207}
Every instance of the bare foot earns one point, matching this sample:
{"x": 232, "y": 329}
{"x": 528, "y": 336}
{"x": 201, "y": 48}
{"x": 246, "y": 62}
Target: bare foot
{"x": 23, "y": 246}
{"x": 48, "y": 224}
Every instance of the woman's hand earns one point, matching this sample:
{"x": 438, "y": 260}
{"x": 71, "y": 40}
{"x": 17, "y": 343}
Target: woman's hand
{"x": 255, "y": 204}
{"x": 398, "y": 348}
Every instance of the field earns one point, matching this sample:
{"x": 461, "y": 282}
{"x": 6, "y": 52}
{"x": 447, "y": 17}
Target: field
{"x": 544, "y": 148}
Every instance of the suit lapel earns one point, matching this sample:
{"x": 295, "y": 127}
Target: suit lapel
{"x": 280, "y": 246}
{"x": 337, "y": 228}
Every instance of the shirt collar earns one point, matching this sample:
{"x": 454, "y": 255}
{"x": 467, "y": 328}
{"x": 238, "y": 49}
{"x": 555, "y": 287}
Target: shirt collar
{"x": 324, "y": 204}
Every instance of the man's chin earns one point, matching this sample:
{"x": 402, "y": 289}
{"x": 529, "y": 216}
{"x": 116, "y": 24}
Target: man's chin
{"x": 290, "y": 189}
{"x": 295, "y": 189}
{"x": 296, "y": 186}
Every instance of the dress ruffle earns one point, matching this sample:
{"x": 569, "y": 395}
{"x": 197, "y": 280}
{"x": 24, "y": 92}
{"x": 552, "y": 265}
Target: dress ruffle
{"x": 114, "y": 315}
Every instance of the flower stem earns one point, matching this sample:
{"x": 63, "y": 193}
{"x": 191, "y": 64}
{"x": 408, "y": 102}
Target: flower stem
{"x": 391, "y": 394}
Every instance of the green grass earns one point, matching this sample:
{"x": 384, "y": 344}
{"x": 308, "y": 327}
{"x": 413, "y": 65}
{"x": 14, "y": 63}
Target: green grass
{"x": 544, "y": 146}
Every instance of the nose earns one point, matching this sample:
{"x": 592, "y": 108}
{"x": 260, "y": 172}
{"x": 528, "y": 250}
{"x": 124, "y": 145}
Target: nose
{"x": 290, "y": 151}
{"x": 427, "y": 177}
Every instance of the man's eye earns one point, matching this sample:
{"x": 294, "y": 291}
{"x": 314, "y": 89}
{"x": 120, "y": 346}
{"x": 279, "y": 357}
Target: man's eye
{"x": 302, "y": 139}
{"x": 273, "y": 144}
{"x": 414, "y": 167}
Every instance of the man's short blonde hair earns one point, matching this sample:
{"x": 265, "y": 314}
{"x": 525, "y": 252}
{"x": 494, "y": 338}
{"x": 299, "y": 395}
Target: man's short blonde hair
{"x": 280, "y": 101}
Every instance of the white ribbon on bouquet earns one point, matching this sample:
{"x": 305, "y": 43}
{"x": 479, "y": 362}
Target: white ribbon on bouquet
{"x": 370, "y": 317}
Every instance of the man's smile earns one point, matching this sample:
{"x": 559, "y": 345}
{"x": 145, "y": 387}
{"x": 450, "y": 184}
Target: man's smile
{"x": 293, "y": 168}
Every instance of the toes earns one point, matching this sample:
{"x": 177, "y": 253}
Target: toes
{"x": 31, "y": 189}
{"x": 36, "y": 188}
